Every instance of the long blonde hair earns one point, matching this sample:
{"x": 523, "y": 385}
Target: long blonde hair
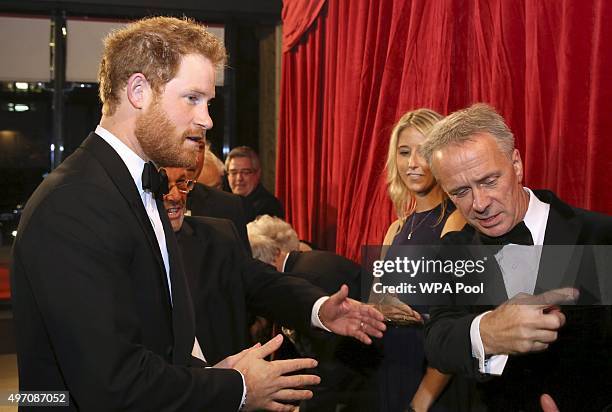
{"x": 403, "y": 199}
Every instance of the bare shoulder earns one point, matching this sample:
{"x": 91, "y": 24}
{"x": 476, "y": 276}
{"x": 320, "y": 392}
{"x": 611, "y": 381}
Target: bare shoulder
{"x": 454, "y": 223}
{"x": 392, "y": 231}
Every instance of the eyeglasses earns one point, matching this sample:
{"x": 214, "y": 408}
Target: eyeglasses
{"x": 183, "y": 186}
{"x": 243, "y": 172}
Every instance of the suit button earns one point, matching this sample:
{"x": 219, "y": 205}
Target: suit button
{"x": 169, "y": 352}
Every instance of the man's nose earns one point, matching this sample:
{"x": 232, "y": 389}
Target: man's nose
{"x": 480, "y": 201}
{"x": 173, "y": 194}
{"x": 203, "y": 118}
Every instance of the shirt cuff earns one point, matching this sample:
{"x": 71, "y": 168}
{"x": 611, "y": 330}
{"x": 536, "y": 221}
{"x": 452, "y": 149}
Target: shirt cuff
{"x": 244, "y": 392}
{"x": 493, "y": 365}
{"x": 314, "y": 316}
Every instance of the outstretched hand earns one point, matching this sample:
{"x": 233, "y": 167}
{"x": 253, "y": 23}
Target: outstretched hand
{"x": 394, "y": 310}
{"x": 348, "y": 317}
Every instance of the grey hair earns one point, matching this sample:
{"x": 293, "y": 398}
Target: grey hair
{"x": 281, "y": 232}
{"x": 243, "y": 151}
{"x": 263, "y": 248}
{"x": 462, "y": 125}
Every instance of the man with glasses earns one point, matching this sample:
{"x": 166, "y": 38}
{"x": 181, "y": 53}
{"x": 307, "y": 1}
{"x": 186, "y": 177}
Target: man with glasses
{"x": 212, "y": 202}
{"x": 100, "y": 299}
{"x": 244, "y": 175}
{"x": 226, "y": 284}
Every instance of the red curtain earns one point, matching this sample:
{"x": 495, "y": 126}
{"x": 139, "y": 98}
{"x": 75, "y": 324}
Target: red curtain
{"x": 351, "y": 68}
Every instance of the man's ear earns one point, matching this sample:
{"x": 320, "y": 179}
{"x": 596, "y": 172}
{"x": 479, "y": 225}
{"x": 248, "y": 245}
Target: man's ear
{"x": 517, "y": 165}
{"x": 258, "y": 174}
{"x": 138, "y": 90}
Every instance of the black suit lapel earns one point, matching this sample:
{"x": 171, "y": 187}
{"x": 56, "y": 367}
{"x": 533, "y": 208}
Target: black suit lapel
{"x": 495, "y": 288}
{"x": 560, "y": 260}
{"x": 195, "y": 245}
{"x": 290, "y": 263}
{"x": 121, "y": 177}
{"x": 182, "y": 308}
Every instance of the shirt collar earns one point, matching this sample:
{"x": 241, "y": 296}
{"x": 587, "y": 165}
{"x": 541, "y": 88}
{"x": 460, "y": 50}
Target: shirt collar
{"x": 285, "y": 261}
{"x": 134, "y": 163}
{"x": 536, "y": 217}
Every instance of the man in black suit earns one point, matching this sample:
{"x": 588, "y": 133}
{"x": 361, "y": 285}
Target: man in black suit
{"x": 345, "y": 367}
{"x": 212, "y": 202}
{"x": 99, "y": 295}
{"x": 244, "y": 176}
{"x": 226, "y": 284}
{"x": 472, "y": 155}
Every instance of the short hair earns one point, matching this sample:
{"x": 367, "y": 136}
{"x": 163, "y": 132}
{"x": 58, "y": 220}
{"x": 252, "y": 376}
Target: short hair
{"x": 152, "y": 46}
{"x": 422, "y": 120}
{"x": 243, "y": 151}
{"x": 281, "y": 232}
{"x": 264, "y": 248}
{"x": 462, "y": 125}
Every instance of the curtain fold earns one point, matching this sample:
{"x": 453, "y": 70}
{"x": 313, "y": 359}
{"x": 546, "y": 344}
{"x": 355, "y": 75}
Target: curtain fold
{"x": 298, "y": 16}
{"x": 359, "y": 66}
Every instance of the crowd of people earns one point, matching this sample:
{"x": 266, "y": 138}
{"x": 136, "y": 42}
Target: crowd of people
{"x": 138, "y": 283}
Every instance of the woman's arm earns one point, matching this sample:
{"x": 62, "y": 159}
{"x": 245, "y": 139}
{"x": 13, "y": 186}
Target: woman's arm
{"x": 430, "y": 388}
{"x": 454, "y": 223}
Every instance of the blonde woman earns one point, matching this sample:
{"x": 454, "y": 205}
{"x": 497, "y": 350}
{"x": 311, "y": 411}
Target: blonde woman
{"x": 424, "y": 215}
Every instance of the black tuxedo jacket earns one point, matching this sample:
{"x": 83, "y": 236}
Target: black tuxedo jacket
{"x": 264, "y": 203}
{"x": 326, "y": 270}
{"x": 91, "y": 302}
{"x": 227, "y": 285}
{"x": 569, "y": 368}
{"x": 210, "y": 202}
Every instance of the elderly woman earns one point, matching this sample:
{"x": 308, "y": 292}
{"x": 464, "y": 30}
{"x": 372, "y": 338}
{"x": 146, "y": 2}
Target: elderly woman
{"x": 424, "y": 215}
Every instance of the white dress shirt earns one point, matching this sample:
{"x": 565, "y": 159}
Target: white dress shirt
{"x": 519, "y": 266}
{"x": 135, "y": 165}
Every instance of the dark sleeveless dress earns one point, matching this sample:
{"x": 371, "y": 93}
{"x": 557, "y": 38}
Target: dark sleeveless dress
{"x": 403, "y": 365}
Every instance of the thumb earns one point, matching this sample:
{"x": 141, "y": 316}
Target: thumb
{"x": 269, "y": 347}
{"x": 243, "y": 352}
{"x": 548, "y": 404}
{"x": 340, "y": 295}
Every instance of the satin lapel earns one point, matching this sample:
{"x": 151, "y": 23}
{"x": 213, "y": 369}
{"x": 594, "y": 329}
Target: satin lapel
{"x": 561, "y": 257}
{"x": 121, "y": 177}
{"x": 182, "y": 309}
{"x": 195, "y": 247}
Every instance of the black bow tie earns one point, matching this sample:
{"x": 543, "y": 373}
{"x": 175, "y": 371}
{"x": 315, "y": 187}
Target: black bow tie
{"x": 154, "y": 181}
{"x": 519, "y": 235}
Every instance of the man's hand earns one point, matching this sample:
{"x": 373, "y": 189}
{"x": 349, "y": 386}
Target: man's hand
{"x": 394, "y": 310}
{"x": 345, "y": 316}
{"x": 231, "y": 361}
{"x": 267, "y": 387}
{"x": 525, "y": 323}
{"x": 547, "y": 403}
